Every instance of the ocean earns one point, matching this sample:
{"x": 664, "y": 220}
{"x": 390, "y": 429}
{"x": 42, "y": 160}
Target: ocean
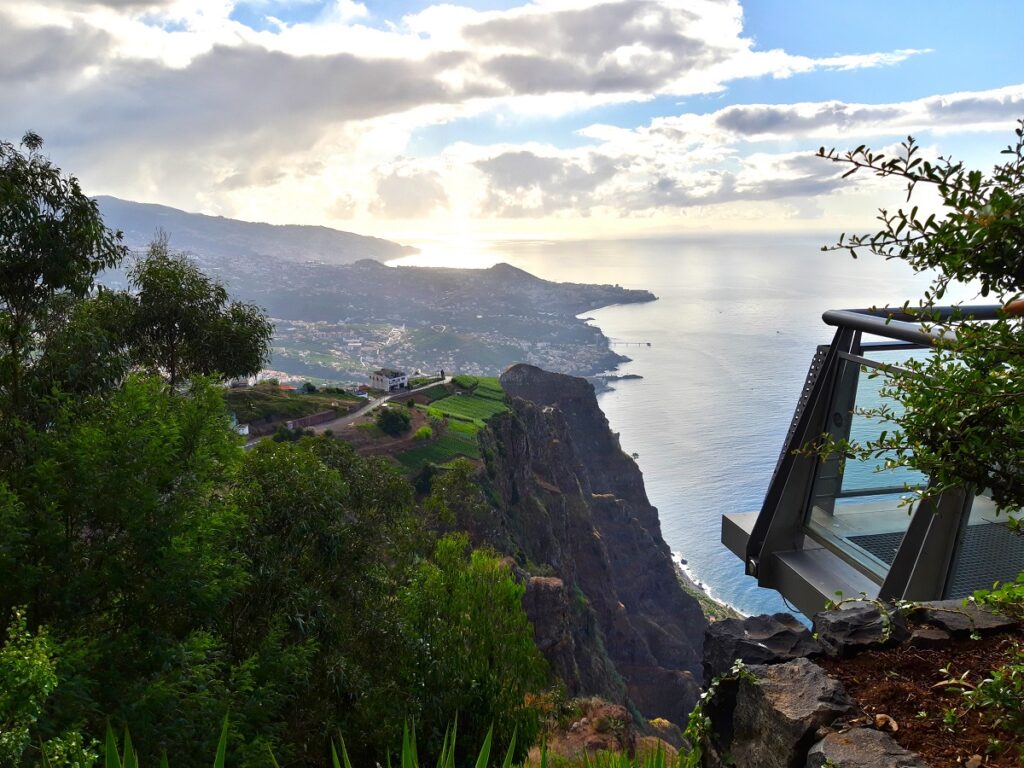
{"x": 730, "y": 339}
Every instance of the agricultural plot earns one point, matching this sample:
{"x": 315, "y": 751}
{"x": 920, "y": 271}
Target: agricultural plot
{"x": 466, "y": 428}
{"x": 469, "y": 407}
{"x": 434, "y": 393}
{"x": 449, "y": 446}
{"x": 489, "y": 383}
{"x": 488, "y": 387}
{"x": 266, "y": 403}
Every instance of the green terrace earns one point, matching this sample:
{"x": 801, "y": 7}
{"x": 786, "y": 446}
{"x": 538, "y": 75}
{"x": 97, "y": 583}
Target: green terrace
{"x": 457, "y": 416}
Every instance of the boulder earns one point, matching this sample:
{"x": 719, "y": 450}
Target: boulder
{"x": 755, "y": 640}
{"x": 928, "y": 637}
{"x": 861, "y": 748}
{"x": 857, "y": 627}
{"x": 960, "y": 620}
{"x": 775, "y": 719}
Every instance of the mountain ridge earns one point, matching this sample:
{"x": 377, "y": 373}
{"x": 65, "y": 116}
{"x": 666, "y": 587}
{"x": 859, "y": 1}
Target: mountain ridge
{"x": 204, "y": 234}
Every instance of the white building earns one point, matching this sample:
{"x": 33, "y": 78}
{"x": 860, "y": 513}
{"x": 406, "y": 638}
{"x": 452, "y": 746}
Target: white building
{"x": 389, "y": 379}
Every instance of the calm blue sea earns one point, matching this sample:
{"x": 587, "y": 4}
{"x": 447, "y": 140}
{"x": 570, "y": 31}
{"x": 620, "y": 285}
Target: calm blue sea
{"x": 731, "y": 336}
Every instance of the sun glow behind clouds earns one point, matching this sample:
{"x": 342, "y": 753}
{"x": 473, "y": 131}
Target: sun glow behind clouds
{"x": 309, "y": 111}
{"x": 460, "y": 254}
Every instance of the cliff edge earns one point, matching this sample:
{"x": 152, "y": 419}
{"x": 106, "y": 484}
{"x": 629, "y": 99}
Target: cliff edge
{"x": 604, "y": 598}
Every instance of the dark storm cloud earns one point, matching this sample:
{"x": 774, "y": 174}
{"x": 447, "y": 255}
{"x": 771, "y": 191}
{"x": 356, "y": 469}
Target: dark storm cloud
{"x": 570, "y": 50}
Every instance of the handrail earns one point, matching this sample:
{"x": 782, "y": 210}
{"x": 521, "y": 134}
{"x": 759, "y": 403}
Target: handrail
{"x": 895, "y": 323}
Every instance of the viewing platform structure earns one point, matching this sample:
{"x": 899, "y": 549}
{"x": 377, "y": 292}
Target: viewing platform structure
{"x": 831, "y": 527}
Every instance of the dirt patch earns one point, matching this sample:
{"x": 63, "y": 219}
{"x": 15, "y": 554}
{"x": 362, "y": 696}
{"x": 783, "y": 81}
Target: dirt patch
{"x": 597, "y": 726}
{"x": 904, "y": 684}
{"x": 375, "y": 443}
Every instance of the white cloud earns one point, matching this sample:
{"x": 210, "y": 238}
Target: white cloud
{"x": 174, "y": 101}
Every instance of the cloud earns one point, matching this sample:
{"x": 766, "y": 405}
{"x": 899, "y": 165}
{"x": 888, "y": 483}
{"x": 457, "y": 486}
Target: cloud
{"x": 177, "y": 101}
{"x": 610, "y": 47}
{"x": 409, "y": 195}
{"x": 961, "y": 111}
{"x": 30, "y": 52}
{"x": 522, "y": 183}
{"x": 694, "y": 160}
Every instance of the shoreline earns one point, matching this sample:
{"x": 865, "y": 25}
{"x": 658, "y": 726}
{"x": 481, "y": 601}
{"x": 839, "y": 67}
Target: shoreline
{"x": 601, "y": 380}
{"x": 713, "y": 608}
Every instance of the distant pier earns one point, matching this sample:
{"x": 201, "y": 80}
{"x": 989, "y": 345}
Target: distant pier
{"x": 621, "y": 343}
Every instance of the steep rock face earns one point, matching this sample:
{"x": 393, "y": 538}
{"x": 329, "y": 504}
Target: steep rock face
{"x": 574, "y": 505}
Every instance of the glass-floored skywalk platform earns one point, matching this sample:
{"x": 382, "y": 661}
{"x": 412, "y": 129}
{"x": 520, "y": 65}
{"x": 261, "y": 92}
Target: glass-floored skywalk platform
{"x": 835, "y": 524}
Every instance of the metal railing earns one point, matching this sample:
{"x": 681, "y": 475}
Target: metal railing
{"x": 827, "y": 522}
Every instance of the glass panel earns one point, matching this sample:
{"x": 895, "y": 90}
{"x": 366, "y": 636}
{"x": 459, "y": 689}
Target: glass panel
{"x": 855, "y": 506}
{"x": 988, "y": 550}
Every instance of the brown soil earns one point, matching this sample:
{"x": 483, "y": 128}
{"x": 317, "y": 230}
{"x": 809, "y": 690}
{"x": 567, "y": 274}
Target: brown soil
{"x": 375, "y": 444}
{"x": 901, "y": 683}
{"x": 598, "y": 726}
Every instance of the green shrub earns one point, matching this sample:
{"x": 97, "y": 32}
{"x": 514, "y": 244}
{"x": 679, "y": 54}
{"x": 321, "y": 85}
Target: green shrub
{"x": 423, "y": 433}
{"x": 478, "y": 654}
{"x": 393, "y": 421}
{"x": 27, "y": 677}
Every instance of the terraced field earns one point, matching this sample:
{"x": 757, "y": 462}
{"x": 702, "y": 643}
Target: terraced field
{"x": 468, "y": 407}
{"x": 466, "y": 413}
{"x": 449, "y": 446}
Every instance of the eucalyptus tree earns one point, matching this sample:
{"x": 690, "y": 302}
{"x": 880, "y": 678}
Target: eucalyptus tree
{"x": 52, "y": 245}
{"x": 183, "y": 323}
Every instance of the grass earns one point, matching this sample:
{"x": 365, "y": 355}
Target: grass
{"x": 468, "y": 428}
{"x": 489, "y": 383}
{"x": 469, "y": 407}
{"x": 408, "y": 756}
{"x": 265, "y": 402}
{"x": 449, "y": 446}
{"x": 420, "y": 381}
{"x": 434, "y": 393}
{"x": 371, "y": 429}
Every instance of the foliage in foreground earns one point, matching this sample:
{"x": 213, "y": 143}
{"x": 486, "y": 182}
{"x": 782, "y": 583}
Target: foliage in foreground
{"x": 156, "y": 574}
{"x": 408, "y": 756}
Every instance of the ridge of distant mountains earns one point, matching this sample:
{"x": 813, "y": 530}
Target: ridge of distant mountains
{"x": 216, "y": 236}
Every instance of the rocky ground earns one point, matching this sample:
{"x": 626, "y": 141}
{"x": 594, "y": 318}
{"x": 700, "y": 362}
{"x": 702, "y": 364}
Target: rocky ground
{"x": 869, "y": 687}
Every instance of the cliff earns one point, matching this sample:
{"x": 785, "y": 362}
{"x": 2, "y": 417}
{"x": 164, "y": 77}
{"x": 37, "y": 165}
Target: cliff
{"x": 604, "y": 599}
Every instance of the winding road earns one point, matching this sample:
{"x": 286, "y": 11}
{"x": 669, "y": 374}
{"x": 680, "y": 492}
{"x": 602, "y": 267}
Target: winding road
{"x": 348, "y": 418}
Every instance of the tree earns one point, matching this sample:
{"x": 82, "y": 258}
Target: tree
{"x": 330, "y": 540}
{"x": 477, "y": 658}
{"x": 52, "y": 246}
{"x": 962, "y": 421}
{"x": 184, "y": 324}
{"x": 393, "y": 421}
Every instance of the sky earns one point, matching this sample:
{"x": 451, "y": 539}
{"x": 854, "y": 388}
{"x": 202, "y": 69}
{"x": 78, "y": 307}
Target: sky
{"x": 458, "y": 122}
